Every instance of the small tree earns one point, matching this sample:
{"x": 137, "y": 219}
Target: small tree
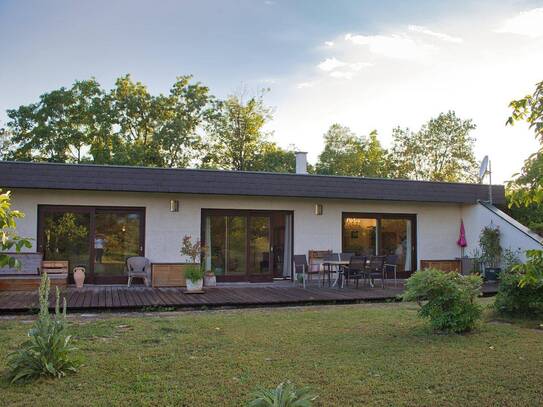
{"x": 9, "y": 239}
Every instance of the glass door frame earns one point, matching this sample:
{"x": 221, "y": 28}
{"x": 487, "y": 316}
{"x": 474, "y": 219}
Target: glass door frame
{"x": 90, "y": 277}
{"x": 249, "y": 275}
{"x": 378, "y": 217}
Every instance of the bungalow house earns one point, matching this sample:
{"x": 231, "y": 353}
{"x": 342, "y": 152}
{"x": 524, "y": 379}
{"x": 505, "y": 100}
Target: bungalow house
{"x": 252, "y": 223}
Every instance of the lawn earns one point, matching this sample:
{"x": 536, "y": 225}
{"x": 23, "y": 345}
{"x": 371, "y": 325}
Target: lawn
{"x": 374, "y": 354}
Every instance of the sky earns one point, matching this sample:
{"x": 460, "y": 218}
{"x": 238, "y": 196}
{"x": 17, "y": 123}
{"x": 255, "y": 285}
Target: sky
{"x": 364, "y": 64}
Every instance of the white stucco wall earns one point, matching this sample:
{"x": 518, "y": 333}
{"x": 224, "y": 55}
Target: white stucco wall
{"x": 476, "y": 217}
{"x": 437, "y": 224}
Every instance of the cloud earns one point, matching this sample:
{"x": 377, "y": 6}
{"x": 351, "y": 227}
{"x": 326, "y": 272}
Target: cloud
{"x": 441, "y": 36}
{"x": 347, "y": 70}
{"x": 330, "y": 64}
{"x": 329, "y": 43}
{"x": 270, "y": 2}
{"x": 303, "y": 85}
{"x": 392, "y": 46}
{"x": 528, "y": 23}
{"x": 341, "y": 75}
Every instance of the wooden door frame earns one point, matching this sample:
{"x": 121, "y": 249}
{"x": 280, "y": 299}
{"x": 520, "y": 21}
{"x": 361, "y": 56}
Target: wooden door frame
{"x": 378, "y": 216}
{"x": 91, "y": 210}
{"x": 247, "y": 213}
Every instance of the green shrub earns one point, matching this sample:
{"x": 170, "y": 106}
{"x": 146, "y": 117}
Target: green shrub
{"x": 446, "y": 299}
{"x": 521, "y": 288}
{"x": 194, "y": 272}
{"x": 48, "y": 350}
{"x": 284, "y": 395}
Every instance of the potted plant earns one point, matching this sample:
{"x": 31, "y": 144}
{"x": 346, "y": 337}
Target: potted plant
{"x": 194, "y": 274}
{"x": 491, "y": 251}
{"x": 195, "y": 278}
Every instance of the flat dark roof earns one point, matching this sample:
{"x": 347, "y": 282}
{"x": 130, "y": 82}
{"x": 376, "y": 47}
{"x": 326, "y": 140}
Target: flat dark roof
{"x": 89, "y": 177}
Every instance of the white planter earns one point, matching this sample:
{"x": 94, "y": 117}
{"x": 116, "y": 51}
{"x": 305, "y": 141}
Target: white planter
{"x": 210, "y": 280}
{"x": 195, "y": 285}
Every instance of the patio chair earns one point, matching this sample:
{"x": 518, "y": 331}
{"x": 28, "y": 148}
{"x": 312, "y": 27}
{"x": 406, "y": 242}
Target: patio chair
{"x": 301, "y": 267}
{"x": 391, "y": 265}
{"x": 328, "y": 269}
{"x": 316, "y": 260}
{"x": 355, "y": 270}
{"x": 138, "y": 267}
{"x": 376, "y": 269}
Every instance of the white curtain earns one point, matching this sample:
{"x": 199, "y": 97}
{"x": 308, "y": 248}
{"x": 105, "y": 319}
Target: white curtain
{"x": 208, "y": 242}
{"x": 408, "y": 246}
{"x": 287, "y": 260}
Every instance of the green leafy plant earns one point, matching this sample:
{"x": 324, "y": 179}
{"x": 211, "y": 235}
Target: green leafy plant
{"x": 446, "y": 299}
{"x": 194, "y": 273}
{"x": 9, "y": 240}
{"x": 532, "y": 270}
{"x": 510, "y": 259}
{"x": 491, "y": 250}
{"x": 516, "y": 299}
{"x": 48, "y": 350}
{"x": 284, "y": 395}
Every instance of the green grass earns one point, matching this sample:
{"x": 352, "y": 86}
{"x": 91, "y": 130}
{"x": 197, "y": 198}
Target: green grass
{"x": 376, "y": 354}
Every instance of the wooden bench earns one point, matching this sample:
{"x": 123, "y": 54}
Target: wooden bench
{"x": 28, "y": 276}
{"x": 443, "y": 265}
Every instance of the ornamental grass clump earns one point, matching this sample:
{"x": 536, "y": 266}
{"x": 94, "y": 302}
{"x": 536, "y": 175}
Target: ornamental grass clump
{"x": 48, "y": 350}
{"x": 447, "y": 300}
{"x": 284, "y": 395}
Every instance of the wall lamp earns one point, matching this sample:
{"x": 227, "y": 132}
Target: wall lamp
{"x": 174, "y": 205}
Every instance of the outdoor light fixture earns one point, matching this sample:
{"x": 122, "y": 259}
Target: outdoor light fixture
{"x": 318, "y": 209}
{"x": 174, "y": 205}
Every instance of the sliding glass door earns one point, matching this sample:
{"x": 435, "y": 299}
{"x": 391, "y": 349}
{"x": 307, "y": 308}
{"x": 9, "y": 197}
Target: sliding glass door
{"x": 382, "y": 234}
{"x": 245, "y": 245}
{"x": 98, "y": 238}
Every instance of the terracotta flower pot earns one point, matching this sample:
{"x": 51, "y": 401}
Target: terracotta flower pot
{"x": 210, "y": 280}
{"x": 79, "y": 276}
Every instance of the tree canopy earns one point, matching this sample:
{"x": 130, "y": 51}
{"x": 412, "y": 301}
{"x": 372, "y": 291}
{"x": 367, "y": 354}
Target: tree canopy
{"x": 526, "y": 189}
{"x": 442, "y": 150}
{"x": 345, "y": 153}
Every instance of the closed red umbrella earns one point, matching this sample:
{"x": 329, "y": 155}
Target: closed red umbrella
{"x": 462, "y": 239}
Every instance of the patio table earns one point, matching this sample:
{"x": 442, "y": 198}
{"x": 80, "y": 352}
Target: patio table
{"x": 337, "y": 264}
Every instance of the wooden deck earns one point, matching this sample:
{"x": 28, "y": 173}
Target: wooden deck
{"x": 137, "y": 298}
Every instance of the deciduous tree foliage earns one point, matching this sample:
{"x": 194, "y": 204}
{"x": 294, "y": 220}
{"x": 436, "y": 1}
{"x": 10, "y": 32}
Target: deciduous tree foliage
{"x": 442, "y": 150}
{"x": 126, "y": 125}
{"x": 526, "y": 189}
{"x": 237, "y": 140}
{"x": 345, "y": 153}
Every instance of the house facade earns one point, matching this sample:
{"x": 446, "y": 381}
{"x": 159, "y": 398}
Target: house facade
{"x": 251, "y": 223}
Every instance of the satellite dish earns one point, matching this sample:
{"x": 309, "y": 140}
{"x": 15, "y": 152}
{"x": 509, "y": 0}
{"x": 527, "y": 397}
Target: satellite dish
{"x": 483, "y": 168}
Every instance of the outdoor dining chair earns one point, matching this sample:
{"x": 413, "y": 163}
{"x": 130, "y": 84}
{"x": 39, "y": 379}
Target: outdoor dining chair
{"x": 376, "y": 270}
{"x": 328, "y": 269}
{"x": 301, "y": 267}
{"x": 138, "y": 267}
{"x": 355, "y": 270}
{"x": 391, "y": 265}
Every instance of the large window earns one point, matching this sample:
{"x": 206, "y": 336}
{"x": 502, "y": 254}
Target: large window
{"x": 247, "y": 245}
{"x": 98, "y": 238}
{"x": 392, "y": 235}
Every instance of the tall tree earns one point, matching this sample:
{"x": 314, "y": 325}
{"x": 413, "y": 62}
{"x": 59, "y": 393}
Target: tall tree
{"x": 6, "y": 144}
{"x": 526, "y": 188}
{"x": 235, "y": 132}
{"x": 127, "y": 125}
{"x": 57, "y": 127}
{"x": 442, "y": 150}
{"x": 345, "y": 153}
{"x": 272, "y": 158}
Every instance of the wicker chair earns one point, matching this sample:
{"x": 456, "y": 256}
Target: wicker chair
{"x": 138, "y": 267}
